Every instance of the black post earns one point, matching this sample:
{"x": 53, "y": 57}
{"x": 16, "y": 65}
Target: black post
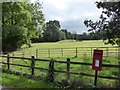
{"x": 95, "y": 80}
{"x": 51, "y": 71}
{"x": 8, "y": 61}
{"x": 32, "y": 65}
{"x": 68, "y": 68}
{"x": 76, "y": 52}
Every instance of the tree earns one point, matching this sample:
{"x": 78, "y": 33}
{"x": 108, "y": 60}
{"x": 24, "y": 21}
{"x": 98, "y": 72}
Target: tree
{"x": 109, "y": 23}
{"x": 95, "y": 35}
{"x": 75, "y": 36}
{"x": 19, "y": 23}
{"x": 52, "y": 32}
{"x": 67, "y": 36}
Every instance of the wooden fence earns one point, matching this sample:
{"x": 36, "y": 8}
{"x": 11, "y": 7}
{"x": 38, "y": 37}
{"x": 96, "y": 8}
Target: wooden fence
{"x": 67, "y": 62}
{"x": 65, "y": 52}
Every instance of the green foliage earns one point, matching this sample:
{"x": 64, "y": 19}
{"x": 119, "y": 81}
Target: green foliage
{"x": 74, "y": 83}
{"x": 12, "y": 41}
{"x": 84, "y": 36}
{"x": 68, "y": 35}
{"x": 19, "y": 23}
{"x": 52, "y": 32}
{"x": 109, "y": 23}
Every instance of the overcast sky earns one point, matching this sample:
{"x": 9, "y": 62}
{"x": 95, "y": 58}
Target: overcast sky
{"x": 71, "y": 13}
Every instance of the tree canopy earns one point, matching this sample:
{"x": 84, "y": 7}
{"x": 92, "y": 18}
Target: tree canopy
{"x": 52, "y": 32}
{"x": 19, "y": 23}
{"x": 109, "y": 23}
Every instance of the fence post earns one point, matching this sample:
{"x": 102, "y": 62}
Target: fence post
{"x": 23, "y": 54}
{"x": 76, "y": 52}
{"x": 8, "y": 62}
{"x": 49, "y": 53}
{"x": 68, "y": 68}
{"x": 32, "y": 64}
{"x": 91, "y": 51}
{"x": 118, "y": 53}
{"x": 62, "y": 51}
{"x": 36, "y": 53}
{"x": 51, "y": 71}
{"x": 107, "y": 52}
{"x": 12, "y": 56}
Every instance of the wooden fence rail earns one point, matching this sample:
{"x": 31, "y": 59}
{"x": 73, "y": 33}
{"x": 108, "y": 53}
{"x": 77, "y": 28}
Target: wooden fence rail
{"x": 71, "y": 62}
{"x": 67, "y": 62}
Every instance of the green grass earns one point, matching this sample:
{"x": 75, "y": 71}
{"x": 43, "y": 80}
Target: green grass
{"x": 67, "y": 44}
{"x": 66, "y": 48}
{"x": 113, "y": 72}
{"x": 11, "y": 80}
{"x": 84, "y": 55}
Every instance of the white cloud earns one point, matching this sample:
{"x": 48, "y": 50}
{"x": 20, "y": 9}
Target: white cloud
{"x": 71, "y": 12}
{"x": 61, "y": 5}
{"x": 58, "y": 4}
{"x": 59, "y": 18}
{"x": 90, "y": 14}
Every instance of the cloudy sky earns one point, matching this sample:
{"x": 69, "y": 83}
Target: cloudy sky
{"x": 71, "y": 13}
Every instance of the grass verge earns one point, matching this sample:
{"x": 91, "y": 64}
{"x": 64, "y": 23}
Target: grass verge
{"x": 14, "y": 81}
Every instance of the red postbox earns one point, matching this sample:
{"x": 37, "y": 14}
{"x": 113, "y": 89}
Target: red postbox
{"x": 97, "y": 60}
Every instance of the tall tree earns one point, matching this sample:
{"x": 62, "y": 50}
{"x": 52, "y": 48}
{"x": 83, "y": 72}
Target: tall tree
{"x": 19, "y": 23}
{"x": 66, "y": 33}
{"x": 109, "y": 23}
{"x": 52, "y": 32}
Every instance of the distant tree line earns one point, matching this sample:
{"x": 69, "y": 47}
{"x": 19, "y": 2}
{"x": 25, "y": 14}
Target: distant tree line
{"x": 52, "y": 33}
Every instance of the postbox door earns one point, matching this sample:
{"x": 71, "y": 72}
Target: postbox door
{"x": 97, "y": 60}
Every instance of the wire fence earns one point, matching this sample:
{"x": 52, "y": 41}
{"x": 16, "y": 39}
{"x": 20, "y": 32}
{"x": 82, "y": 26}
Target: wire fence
{"x": 67, "y": 52}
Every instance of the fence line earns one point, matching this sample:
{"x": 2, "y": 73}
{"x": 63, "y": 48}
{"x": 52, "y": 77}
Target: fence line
{"x": 71, "y": 62}
{"x": 67, "y": 62}
{"x": 65, "y": 52}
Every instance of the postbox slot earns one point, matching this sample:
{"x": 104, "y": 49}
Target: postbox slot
{"x": 98, "y": 53}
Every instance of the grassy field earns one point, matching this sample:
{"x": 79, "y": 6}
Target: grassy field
{"x": 68, "y": 44}
{"x": 66, "y": 48}
{"x": 84, "y": 57}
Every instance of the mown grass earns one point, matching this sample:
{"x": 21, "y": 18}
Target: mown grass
{"x": 65, "y": 49}
{"x": 85, "y": 56}
{"x": 68, "y": 44}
